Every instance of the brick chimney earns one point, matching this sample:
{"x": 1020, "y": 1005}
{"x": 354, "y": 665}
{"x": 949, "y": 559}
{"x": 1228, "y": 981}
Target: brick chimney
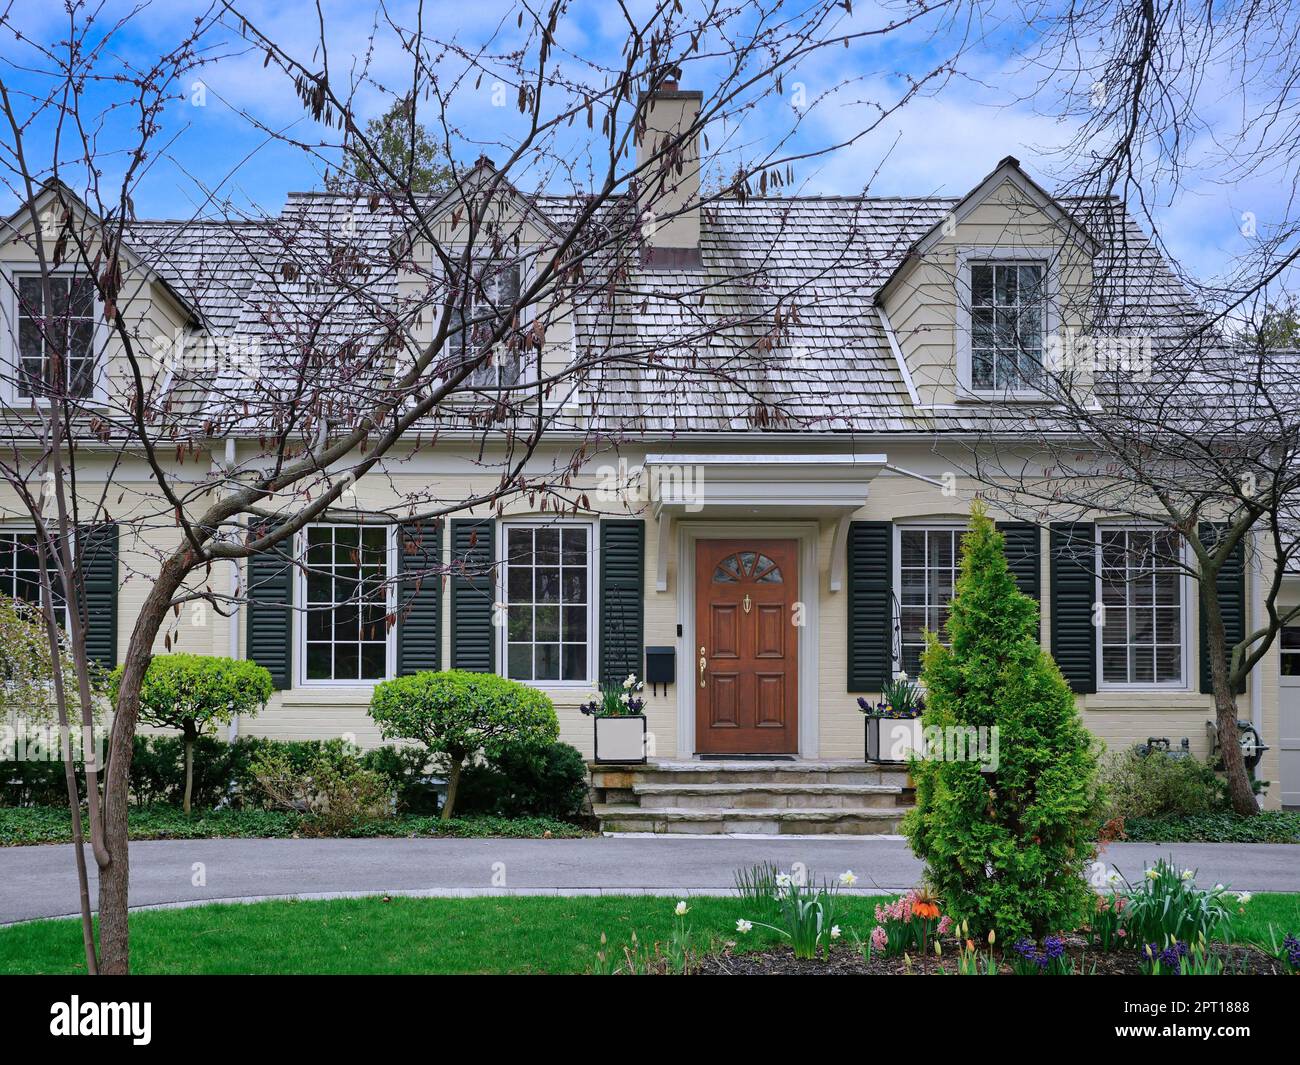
{"x": 669, "y": 194}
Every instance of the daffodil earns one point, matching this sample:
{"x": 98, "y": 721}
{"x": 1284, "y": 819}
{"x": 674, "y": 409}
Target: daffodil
{"x": 835, "y": 931}
{"x": 682, "y": 909}
{"x": 743, "y": 926}
{"x": 1152, "y": 874}
{"x": 1188, "y": 874}
{"x": 1243, "y": 897}
{"x": 848, "y": 878}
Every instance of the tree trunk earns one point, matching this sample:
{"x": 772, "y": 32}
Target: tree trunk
{"x": 189, "y": 770}
{"x": 453, "y": 780}
{"x": 114, "y": 876}
{"x": 1240, "y": 793}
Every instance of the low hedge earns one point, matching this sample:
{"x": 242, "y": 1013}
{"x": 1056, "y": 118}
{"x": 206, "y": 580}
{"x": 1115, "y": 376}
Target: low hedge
{"x": 21, "y": 826}
{"x": 1267, "y": 826}
{"x": 550, "y": 783}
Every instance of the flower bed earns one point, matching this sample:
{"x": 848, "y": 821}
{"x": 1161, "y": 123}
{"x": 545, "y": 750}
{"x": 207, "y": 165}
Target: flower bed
{"x": 1079, "y": 956}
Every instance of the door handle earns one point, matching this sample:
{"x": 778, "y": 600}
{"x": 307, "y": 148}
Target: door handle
{"x": 704, "y": 662}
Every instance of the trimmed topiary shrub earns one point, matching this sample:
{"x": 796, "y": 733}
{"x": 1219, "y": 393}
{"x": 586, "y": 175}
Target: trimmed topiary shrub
{"x": 457, "y": 716}
{"x": 194, "y": 692}
{"x": 1006, "y": 851}
{"x": 551, "y": 782}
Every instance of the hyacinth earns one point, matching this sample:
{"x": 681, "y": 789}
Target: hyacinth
{"x": 878, "y": 938}
{"x": 1292, "y": 946}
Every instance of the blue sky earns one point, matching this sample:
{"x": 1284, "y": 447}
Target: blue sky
{"x": 942, "y": 143}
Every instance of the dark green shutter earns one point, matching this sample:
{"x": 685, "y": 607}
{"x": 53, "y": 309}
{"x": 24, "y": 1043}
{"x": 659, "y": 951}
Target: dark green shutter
{"x": 869, "y": 571}
{"x": 269, "y": 629}
{"x": 1024, "y": 558}
{"x": 1232, "y": 602}
{"x": 97, "y": 557}
{"x": 622, "y": 598}
{"x": 419, "y": 624}
{"x": 1074, "y": 591}
{"x": 473, "y": 592}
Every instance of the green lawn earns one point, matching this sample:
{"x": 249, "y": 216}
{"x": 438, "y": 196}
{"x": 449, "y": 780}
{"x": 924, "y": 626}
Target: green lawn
{"x": 483, "y": 935}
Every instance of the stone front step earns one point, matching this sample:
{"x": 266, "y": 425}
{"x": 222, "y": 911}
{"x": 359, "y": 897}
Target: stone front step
{"x": 781, "y": 821}
{"x": 766, "y": 796}
{"x": 751, "y": 797}
{"x": 749, "y": 773}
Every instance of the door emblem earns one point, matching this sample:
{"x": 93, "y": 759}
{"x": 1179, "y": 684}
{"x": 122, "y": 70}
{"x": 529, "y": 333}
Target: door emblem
{"x": 747, "y": 603}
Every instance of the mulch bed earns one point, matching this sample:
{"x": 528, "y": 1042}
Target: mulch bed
{"x": 846, "y": 961}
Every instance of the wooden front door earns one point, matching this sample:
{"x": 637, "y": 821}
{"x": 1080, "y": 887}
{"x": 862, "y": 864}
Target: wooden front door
{"x": 746, "y": 654}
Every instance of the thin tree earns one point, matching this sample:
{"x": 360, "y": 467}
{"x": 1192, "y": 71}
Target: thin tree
{"x": 333, "y": 342}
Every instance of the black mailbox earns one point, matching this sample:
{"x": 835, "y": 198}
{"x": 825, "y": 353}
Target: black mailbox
{"x": 660, "y": 666}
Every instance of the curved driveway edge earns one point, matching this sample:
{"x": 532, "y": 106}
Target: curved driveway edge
{"x": 40, "y": 882}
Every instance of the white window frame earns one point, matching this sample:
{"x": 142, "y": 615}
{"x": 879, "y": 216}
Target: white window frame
{"x": 30, "y": 530}
{"x": 1185, "y": 587}
{"x": 938, "y": 525}
{"x": 593, "y": 593}
{"x": 12, "y": 357}
{"x": 1003, "y": 255}
{"x": 300, "y": 613}
{"x": 529, "y": 369}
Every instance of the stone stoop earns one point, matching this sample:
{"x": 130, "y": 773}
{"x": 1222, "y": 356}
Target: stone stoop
{"x": 751, "y": 797}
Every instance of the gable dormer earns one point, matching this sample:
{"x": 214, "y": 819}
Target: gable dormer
{"x": 985, "y": 302}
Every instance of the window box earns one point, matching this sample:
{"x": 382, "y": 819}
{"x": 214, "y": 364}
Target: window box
{"x": 621, "y": 739}
{"x": 894, "y": 740}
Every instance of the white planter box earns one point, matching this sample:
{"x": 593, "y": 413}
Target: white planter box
{"x": 894, "y": 739}
{"x": 620, "y": 739}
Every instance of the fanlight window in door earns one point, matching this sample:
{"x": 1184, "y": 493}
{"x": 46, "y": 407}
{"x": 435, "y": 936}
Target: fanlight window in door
{"x": 747, "y": 566}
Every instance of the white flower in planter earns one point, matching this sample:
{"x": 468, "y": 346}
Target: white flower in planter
{"x": 835, "y": 931}
{"x": 630, "y": 682}
{"x": 1188, "y": 874}
{"x": 848, "y": 878}
{"x": 1243, "y": 897}
{"x": 1152, "y": 874}
{"x": 681, "y": 910}
{"x": 743, "y": 926}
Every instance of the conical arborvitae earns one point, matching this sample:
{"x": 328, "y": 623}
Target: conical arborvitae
{"x": 1007, "y": 849}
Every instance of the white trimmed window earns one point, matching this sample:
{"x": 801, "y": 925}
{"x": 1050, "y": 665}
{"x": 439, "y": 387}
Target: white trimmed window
{"x": 547, "y": 589}
{"x": 72, "y": 314}
{"x": 20, "y": 566}
{"x": 929, "y": 560}
{"x": 1006, "y": 312}
{"x": 1007, "y": 325}
{"x": 345, "y": 598}
{"x": 1142, "y": 634}
{"x": 492, "y": 290}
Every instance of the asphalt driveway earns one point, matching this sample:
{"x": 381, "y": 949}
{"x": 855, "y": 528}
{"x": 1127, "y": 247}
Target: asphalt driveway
{"x": 41, "y": 882}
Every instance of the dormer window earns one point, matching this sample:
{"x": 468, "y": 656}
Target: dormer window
{"x": 1007, "y": 332}
{"x": 493, "y": 291}
{"x": 69, "y": 321}
{"x": 1005, "y": 315}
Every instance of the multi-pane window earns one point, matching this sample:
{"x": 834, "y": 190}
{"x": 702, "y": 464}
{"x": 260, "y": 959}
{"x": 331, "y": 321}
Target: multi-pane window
{"x": 1291, "y": 650}
{"x": 20, "y": 568}
{"x": 67, "y": 323}
{"x": 928, "y": 563}
{"x": 547, "y": 579}
{"x": 492, "y": 291}
{"x": 1006, "y": 325}
{"x": 1142, "y": 607}
{"x": 345, "y": 603}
